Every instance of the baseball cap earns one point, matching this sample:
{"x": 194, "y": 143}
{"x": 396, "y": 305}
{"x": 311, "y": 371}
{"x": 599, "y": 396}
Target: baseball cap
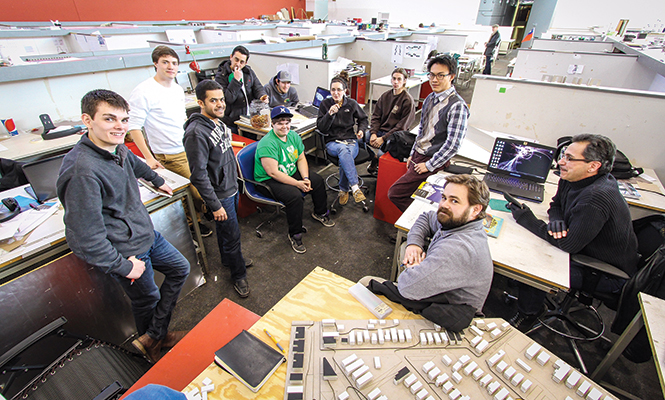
{"x": 284, "y": 76}
{"x": 280, "y": 111}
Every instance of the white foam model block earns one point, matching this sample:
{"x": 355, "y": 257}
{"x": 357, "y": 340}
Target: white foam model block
{"x": 464, "y": 359}
{"x": 532, "y": 351}
{"x": 594, "y": 394}
{"x": 340, "y": 327}
{"x": 400, "y": 335}
{"x": 388, "y": 338}
{"x": 501, "y": 366}
{"x": 457, "y": 366}
{"x": 204, "y": 396}
{"x": 382, "y": 322}
{"x": 437, "y": 338}
{"x": 464, "y": 398}
{"x": 486, "y": 380}
{"x": 370, "y": 326}
{"x": 430, "y": 338}
{"x": 377, "y": 362}
{"x": 444, "y": 338}
{"x": 477, "y": 339}
{"x": 329, "y": 334}
{"x": 523, "y": 365}
{"x": 446, "y": 360}
{"x": 454, "y": 395}
{"x": 375, "y": 339}
{"x": 207, "y": 388}
{"x": 496, "y": 358}
{"x": 495, "y": 333}
{"x": 359, "y": 372}
{"x": 395, "y": 322}
{"x": 559, "y": 364}
{"x": 343, "y": 396}
{"x": 327, "y": 322}
{"x": 352, "y": 339}
{"x": 193, "y": 394}
{"x": 407, "y": 334}
{"x": 410, "y": 380}
{"x": 583, "y": 389}
{"x": 509, "y": 372}
{"x": 393, "y": 335}
{"x": 430, "y": 398}
{"x": 206, "y": 381}
{"x": 543, "y": 358}
{"x": 502, "y": 394}
{"x": 457, "y": 377}
{"x": 476, "y": 331}
{"x": 428, "y": 366}
{"x": 416, "y": 387}
{"x": 490, "y": 327}
{"x": 423, "y": 339}
{"x": 517, "y": 379}
{"x": 381, "y": 336}
{"x": 374, "y": 394}
{"x": 295, "y": 389}
{"x": 470, "y": 367}
{"x": 477, "y": 374}
{"x": 437, "y": 327}
{"x": 569, "y": 398}
{"x": 526, "y": 385}
{"x": 422, "y": 394}
{"x": 372, "y": 321}
{"x": 353, "y": 366}
{"x": 359, "y": 338}
{"x": 573, "y": 379}
{"x": 383, "y": 397}
{"x": 493, "y": 387}
{"x": 364, "y": 380}
{"x": 447, "y": 387}
{"x": 433, "y": 373}
{"x": 561, "y": 373}
{"x": 480, "y": 323}
{"x": 482, "y": 346}
{"x": 441, "y": 379}
{"x": 366, "y": 335}
{"x": 504, "y": 326}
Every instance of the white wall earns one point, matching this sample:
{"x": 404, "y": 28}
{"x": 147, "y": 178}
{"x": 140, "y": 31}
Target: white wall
{"x": 572, "y": 45}
{"x": 441, "y": 12}
{"x": 606, "y": 14}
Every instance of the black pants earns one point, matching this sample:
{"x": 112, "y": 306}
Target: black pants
{"x": 294, "y": 200}
{"x": 488, "y": 66}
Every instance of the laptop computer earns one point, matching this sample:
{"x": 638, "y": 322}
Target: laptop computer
{"x": 313, "y": 110}
{"x": 42, "y": 176}
{"x": 519, "y": 168}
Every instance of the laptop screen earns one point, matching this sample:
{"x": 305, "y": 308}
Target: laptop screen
{"x": 43, "y": 175}
{"x": 521, "y": 159}
{"x": 319, "y": 96}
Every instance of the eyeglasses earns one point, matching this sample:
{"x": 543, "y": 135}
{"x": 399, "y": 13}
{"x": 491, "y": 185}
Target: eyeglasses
{"x": 568, "y": 158}
{"x": 438, "y": 77}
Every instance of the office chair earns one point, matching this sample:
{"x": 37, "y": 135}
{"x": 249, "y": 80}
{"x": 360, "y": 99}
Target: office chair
{"x": 650, "y": 233}
{"x": 364, "y": 155}
{"x": 245, "y": 159}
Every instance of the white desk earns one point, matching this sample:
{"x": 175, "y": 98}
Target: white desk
{"x": 27, "y": 145}
{"x": 413, "y": 85}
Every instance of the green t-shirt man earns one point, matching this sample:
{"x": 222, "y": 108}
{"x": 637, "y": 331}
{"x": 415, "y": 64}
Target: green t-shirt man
{"x": 286, "y": 154}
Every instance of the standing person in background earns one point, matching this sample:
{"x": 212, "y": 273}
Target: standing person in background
{"x": 494, "y": 41}
{"x": 157, "y": 105}
{"x": 280, "y": 91}
{"x": 394, "y": 111}
{"x": 240, "y": 86}
{"x": 338, "y": 115}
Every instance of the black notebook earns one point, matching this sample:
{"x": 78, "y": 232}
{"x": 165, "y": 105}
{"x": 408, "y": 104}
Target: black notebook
{"x": 249, "y": 359}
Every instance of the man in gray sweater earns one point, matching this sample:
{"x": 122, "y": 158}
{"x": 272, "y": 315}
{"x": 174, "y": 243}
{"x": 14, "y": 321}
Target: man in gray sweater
{"x": 107, "y": 225}
{"x": 457, "y": 261}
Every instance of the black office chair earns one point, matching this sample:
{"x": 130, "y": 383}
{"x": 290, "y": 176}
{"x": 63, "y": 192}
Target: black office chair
{"x": 650, "y": 233}
{"x": 365, "y": 154}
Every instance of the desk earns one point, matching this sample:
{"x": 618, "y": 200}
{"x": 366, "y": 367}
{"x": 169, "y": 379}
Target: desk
{"x": 27, "y": 146}
{"x": 649, "y": 202}
{"x": 516, "y": 253}
{"x": 415, "y": 81}
{"x": 300, "y": 124}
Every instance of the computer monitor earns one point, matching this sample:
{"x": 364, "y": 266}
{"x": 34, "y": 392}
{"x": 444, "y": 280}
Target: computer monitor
{"x": 521, "y": 159}
{"x": 320, "y": 95}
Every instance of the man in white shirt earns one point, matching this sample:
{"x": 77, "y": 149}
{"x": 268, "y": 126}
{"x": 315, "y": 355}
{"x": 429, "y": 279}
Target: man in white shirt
{"x": 158, "y": 106}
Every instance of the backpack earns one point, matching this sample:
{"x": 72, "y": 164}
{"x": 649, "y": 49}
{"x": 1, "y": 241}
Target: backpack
{"x": 399, "y": 145}
{"x": 621, "y": 169}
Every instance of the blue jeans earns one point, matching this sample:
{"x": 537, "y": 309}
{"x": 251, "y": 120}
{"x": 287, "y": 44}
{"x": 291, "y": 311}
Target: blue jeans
{"x": 152, "y": 306}
{"x": 368, "y": 135}
{"x": 346, "y": 153}
{"x": 228, "y": 239}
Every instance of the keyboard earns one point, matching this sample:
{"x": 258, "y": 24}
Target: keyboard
{"x": 512, "y": 182}
{"x": 309, "y": 111}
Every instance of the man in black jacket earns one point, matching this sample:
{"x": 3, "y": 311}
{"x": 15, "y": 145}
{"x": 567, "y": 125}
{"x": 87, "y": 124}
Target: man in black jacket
{"x": 107, "y": 225}
{"x": 240, "y": 86}
{"x": 494, "y": 41}
{"x": 215, "y": 175}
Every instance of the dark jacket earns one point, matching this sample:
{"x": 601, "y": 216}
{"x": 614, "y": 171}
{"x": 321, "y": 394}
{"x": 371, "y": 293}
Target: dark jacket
{"x": 340, "y": 126}
{"x": 211, "y": 159}
{"x": 236, "y": 101}
{"x": 288, "y": 99}
{"x": 105, "y": 220}
{"x": 492, "y": 43}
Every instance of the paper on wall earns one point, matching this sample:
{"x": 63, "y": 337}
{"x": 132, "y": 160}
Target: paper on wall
{"x": 396, "y": 56}
{"x": 294, "y": 70}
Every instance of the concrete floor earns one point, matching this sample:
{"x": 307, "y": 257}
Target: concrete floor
{"x": 360, "y": 245}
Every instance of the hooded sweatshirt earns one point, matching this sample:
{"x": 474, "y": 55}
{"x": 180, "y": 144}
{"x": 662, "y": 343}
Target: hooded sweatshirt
{"x": 236, "y": 99}
{"x": 289, "y": 99}
{"x": 211, "y": 159}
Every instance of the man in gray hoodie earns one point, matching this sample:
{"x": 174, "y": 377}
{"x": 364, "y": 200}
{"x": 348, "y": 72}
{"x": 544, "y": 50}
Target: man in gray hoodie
{"x": 215, "y": 175}
{"x": 280, "y": 91}
{"x": 107, "y": 225}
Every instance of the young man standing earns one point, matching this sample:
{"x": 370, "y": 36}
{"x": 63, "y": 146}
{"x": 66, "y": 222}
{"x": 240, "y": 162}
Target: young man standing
{"x": 158, "y": 106}
{"x": 215, "y": 174}
{"x": 107, "y": 225}
{"x": 240, "y": 85}
{"x": 280, "y": 91}
{"x": 443, "y": 126}
{"x": 494, "y": 41}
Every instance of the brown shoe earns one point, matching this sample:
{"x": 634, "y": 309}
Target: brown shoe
{"x": 150, "y": 347}
{"x": 343, "y": 198}
{"x": 172, "y": 338}
{"x": 358, "y": 196}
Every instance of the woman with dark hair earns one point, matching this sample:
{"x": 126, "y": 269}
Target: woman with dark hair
{"x": 337, "y": 117}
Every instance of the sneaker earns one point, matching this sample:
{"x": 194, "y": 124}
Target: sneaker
{"x": 296, "y": 243}
{"x": 248, "y": 262}
{"x": 324, "y": 220}
{"x": 373, "y": 167}
{"x": 242, "y": 287}
{"x": 343, "y": 198}
{"x": 205, "y": 231}
{"x": 358, "y": 196}
{"x": 524, "y": 322}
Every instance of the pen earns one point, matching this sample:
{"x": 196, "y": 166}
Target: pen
{"x": 132, "y": 282}
{"x": 274, "y": 340}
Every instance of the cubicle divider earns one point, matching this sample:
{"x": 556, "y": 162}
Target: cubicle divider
{"x": 599, "y": 69}
{"x": 445, "y": 42}
{"x": 545, "y": 111}
{"x": 572, "y": 45}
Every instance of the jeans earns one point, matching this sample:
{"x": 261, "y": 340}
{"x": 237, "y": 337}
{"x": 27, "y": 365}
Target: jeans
{"x": 152, "y": 306}
{"x": 377, "y": 152}
{"x": 294, "y": 199}
{"x": 488, "y": 66}
{"x": 346, "y": 153}
{"x": 530, "y": 300}
{"x": 228, "y": 239}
